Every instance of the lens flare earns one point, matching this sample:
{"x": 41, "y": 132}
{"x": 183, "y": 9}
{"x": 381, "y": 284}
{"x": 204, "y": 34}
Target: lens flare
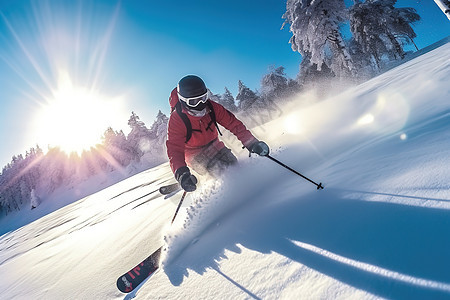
{"x": 388, "y": 113}
{"x": 366, "y": 119}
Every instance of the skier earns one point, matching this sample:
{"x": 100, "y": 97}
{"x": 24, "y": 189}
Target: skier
{"x": 192, "y": 138}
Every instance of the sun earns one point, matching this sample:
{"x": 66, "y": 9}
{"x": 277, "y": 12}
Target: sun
{"x": 293, "y": 124}
{"x": 74, "y": 118}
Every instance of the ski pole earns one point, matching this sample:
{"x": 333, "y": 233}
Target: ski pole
{"x": 179, "y": 205}
{"x": 319, "y": 186}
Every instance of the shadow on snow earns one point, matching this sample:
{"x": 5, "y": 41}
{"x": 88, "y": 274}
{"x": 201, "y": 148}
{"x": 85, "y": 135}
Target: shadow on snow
{"x": 404, "y": 250}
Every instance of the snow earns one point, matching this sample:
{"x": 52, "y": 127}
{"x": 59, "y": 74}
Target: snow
{"x": 379, "y": 229}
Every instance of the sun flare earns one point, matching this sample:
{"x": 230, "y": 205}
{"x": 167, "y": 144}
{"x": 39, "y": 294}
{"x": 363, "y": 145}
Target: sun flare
{"x": 293, "y": 124}
{"x": 75, "y": 117}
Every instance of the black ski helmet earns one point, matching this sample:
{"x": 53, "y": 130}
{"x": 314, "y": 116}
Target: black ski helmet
{"x": 191, "y": 86}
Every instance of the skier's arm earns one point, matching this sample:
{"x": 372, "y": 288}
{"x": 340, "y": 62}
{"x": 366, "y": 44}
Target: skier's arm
{"x": 228, "y": 120}
{"x": 176, "y": 138}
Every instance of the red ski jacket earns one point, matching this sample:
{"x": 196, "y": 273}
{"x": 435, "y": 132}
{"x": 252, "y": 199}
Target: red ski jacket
{"x": 181, "y": 153}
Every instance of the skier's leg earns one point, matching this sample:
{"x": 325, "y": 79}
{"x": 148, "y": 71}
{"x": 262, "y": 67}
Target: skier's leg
{"x": 212, "y": 159}
{"x": 221, "y": 161}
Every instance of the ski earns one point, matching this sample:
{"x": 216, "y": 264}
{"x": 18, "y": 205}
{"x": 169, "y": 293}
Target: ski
{"x": 140, "y": 273}
{"x": 168, "y": 189}
{"x": 131, "y": 279}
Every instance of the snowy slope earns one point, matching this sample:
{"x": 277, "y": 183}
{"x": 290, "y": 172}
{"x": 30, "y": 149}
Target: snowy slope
{"x": 380, "y": 229}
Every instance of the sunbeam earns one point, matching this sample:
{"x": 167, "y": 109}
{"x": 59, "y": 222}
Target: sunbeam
{"x": 65, "y": 72}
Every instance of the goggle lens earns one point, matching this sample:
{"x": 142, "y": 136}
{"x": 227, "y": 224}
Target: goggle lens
{"x": 194, "y": 101}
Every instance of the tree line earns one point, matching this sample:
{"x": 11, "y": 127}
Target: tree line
{"x": 32, "y": 176}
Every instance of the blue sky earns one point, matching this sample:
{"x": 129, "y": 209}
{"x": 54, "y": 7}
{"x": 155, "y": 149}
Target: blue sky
{"x": 130, "y": 54}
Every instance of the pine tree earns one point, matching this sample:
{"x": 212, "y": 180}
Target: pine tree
{"x": 365, "y": 63}
{"x": 34, "y": 199}
{"x": 87, "y": 165}
{"x": 52, "y": 168}
{"x": 116, "y": 145}
{"x": 255, "y": 109}
{"x": 312, "y": 76}
{"x": 315, "y": 27}
{"x": 380, "y": 29}
{"x": 246, "y": 97}
{"x": 158, "y": 133}
{"x": 139, "y": 137}
{"x": 274, "y": 84}
{"x": 216, "y": 98}
{"x": 401, "y": 26}
{"x": 25, "y": 190}
{"x": 228, "y": 100}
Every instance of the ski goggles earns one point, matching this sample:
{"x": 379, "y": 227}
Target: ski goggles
{"x": 194, "y": 101}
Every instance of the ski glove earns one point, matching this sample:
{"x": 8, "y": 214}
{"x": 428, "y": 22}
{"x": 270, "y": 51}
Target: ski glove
{"x": 260, "y": 148}
{"x": 186, "y": 179}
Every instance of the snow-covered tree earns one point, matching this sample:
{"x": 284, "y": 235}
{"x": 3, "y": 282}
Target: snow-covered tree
{"x": 18, "y": 178}
{"x": 246, "y": 97}
{"x": 364, "y": 63}
{"x": 276, "y": 86}
{"x": 255, "y": 109}
{"x": 34, "y": 199}
{"x": 116, "y": 145}
{"x": 139, "y": 137}
{"x": 381, "y": 29}
{"x": 315, "y": 27}
{"x": 228, "y": 100}
{"x": 25, "y": 190}
{"x": 403, "y": 18}
{"x": 158, "y": 132}
{"x": 215, "y": 97}
{"x": 310, "y": 76}
{"x": 87, "y": 165}
{"x": 53, "y": 169}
